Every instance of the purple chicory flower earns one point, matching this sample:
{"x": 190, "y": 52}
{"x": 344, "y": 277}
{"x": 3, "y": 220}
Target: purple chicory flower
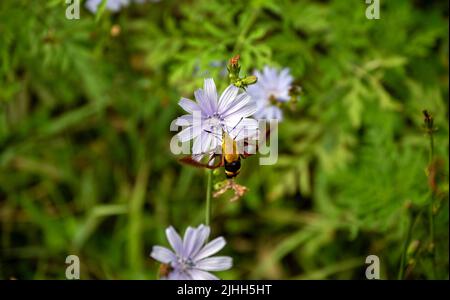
{"x": 209, "y": 116}
{"x": 190, "y": 258}
{"x": 112, "y": 5}
{"x": 272, "y": 87}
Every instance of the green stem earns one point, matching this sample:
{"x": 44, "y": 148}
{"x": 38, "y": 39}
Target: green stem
{"x": 208, "y": 197}
{"x": 431, "y": 208}
{"x": 432, "y": 244}
{"x": 401, "y": 271}
{"x": 430, "y": 160}
{"x": 135, "y": 219}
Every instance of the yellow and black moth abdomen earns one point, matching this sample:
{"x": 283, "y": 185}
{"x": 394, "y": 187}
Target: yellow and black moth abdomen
{"x": 230, "y": 156}
{"x": 232, "y": 168}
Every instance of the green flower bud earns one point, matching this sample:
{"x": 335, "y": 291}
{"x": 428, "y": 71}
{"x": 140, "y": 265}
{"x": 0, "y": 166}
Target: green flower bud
{"x": 233, "y": 74}
{"x": 249, "y": 80}
{"x": 216, "y": 172}
{"x": 220, "y": 184}
{"x": 412, "y": 248}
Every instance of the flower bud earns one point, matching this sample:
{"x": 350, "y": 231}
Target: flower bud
{"x": 234, "y": 61}
{"x": 249, "y": 80}
{"x": 115, "y": 30}
{"x": 412, "y": 248}
{"x": 428, "y": 119}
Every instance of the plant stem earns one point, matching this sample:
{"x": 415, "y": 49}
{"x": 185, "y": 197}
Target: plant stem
{"x": 430, "y": 160}
{"x": 401, "y": 271}
{"x": 135, "y": 229}
{"x": 431, "y": 207}
{"x": 208, "y": 197}
{"x": 432, "y": 245}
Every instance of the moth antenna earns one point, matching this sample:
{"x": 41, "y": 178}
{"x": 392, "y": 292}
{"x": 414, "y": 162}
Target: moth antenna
{"x": 242, "y": 118}
{"x": 216, "y": 135}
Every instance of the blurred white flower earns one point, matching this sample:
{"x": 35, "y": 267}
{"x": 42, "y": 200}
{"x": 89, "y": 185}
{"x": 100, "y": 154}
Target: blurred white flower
{"x": 272, "y": 87}
{"x": 209, "y": 116}
{"x": 191, "y": 259}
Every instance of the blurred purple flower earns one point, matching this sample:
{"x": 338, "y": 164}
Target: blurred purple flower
{"x": 191, "y": 259}
{"x": 272, "y": 86}
{"x": 112, "y": 5}
{"x": 210, "y": 115}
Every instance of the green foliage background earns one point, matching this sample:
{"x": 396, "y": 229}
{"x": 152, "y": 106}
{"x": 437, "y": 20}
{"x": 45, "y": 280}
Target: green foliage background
{"x": 85, "y": 164}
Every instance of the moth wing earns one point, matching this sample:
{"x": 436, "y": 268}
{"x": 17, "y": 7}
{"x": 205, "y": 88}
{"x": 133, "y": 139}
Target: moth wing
{"x": 209, "y": 161}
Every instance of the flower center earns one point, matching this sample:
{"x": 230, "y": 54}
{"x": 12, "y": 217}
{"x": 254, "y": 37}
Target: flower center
{"x": 272, "y": 99}
{"x": 214, "y": 124}
{"x": 214, "y": 120}
{"x": 184, "y": 264}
